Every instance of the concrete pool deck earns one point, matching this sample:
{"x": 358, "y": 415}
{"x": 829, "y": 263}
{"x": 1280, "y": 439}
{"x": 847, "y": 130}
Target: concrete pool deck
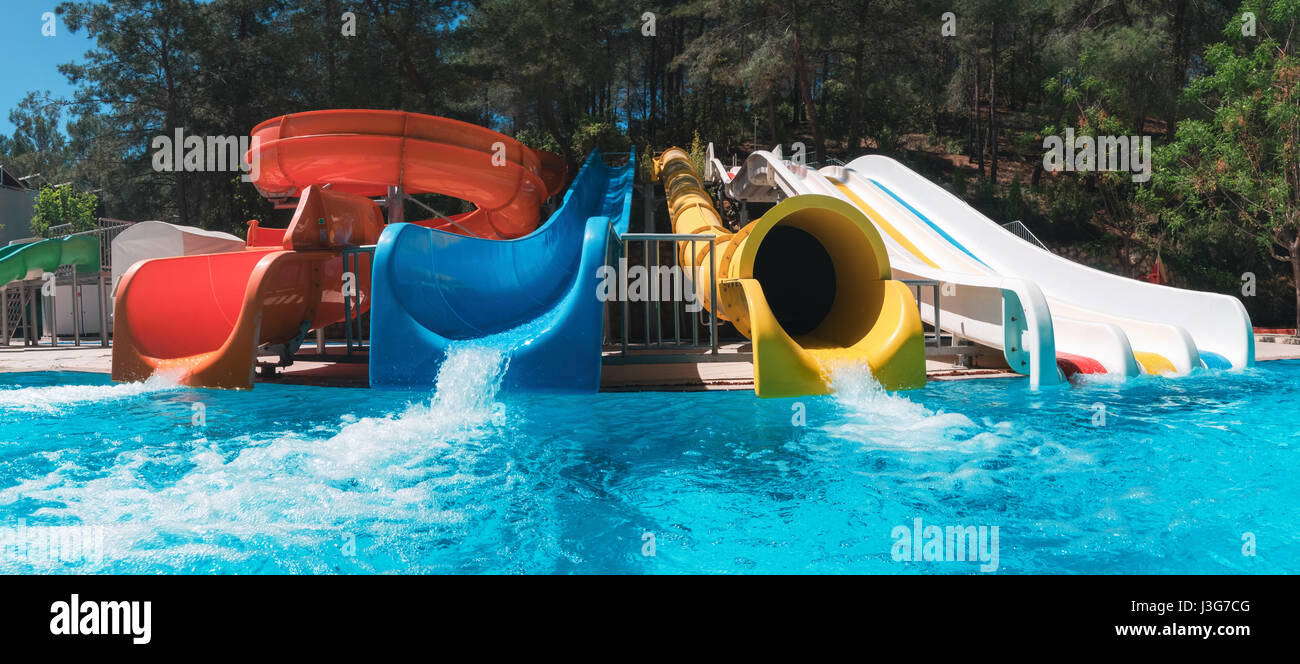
{"x": 616, "y": 376}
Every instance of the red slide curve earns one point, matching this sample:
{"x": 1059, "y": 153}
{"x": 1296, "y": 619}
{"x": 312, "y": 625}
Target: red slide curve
{"x": 1076, "y": 364}
{"x": 364, "y": 152}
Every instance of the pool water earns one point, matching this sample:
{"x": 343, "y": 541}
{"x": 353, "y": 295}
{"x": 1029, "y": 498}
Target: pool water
{"x": 1151, "y": 475}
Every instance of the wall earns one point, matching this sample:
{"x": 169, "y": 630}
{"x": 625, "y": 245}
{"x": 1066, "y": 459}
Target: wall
{"x": 16, "y": 207}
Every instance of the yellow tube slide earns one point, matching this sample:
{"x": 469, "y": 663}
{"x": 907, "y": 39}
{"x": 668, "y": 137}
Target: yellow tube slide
{"x": 808, "y": 283}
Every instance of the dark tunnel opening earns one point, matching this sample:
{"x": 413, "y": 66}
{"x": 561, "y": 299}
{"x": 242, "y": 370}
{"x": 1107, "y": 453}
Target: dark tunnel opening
{"x": 798, "y": 278}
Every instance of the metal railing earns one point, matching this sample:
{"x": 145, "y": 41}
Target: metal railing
{"x": 17, "y": 300}
{"x": 397, "y": 194}
{"x": 108, "y": 230}
{"x": 656, "y": 344}
{"x": 69, "y": 275}
{"x": 27, "y": 307}
{"x": 1021, "y": 231}
{"x": 352, "y": 298}
{"x": 936, "y": 338}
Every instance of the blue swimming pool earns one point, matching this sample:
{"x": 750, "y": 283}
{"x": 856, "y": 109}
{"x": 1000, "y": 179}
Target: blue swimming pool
{"x": 1174, "y": 475}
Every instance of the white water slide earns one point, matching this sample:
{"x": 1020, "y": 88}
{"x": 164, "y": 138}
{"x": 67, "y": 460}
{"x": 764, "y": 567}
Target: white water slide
{"x": 1004, "y": 292}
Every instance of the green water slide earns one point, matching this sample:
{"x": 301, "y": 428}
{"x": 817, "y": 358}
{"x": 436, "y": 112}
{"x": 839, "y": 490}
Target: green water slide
{"x": 24, "y": 261}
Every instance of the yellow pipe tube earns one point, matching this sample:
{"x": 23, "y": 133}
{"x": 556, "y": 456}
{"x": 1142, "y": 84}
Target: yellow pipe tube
{"x": 808, "y": 283}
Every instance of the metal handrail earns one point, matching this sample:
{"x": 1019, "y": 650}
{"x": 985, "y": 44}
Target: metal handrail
{"x": 918, "y": 284}
{"x": 612, "y": 233}
{"x": 108, "y": 229}
{"x": 618, "y": 251}
{"x": 658, "y": 341}
{"x": 1018, "y": 229}
{"x": 439, "y": 214}
{"x": 37, "y": 311}
{"x": 352, "y": 300}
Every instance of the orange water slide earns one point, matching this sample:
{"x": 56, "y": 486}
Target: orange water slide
{"x": 202, "y": 318}
{"x": 366, "y": 151}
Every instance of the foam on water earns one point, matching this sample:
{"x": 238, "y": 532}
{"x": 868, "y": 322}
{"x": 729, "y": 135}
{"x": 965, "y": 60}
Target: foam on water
{"x": 876, "y": 417}
{"x": 417, "y": 465}
{"x": 53, "y": 399}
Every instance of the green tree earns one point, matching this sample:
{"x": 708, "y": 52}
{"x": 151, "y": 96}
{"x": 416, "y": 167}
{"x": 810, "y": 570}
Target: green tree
{"x": 1118, "y": 71}
{"x": 1237, "y": 165}
{"x": 56, "y": 206}
{"x": 38, "y": 144}
{"x": 546, "y": 63}
{"x": 762, "y": 47}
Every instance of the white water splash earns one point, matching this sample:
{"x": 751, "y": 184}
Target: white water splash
{"x": 430, "y": 474}
{"x": 430, "y": 464}
{"x": 873, "y": 416}
{"x": 1105, "y": 379}
{"x": 468, "y": 381}
{"x": 54, "y": 398}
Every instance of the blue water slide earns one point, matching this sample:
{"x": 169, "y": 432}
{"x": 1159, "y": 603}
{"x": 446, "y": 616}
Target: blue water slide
{"x": 535, "y": 296}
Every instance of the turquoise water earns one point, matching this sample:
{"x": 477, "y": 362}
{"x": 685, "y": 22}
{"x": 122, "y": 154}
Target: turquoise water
{"x": 320, "y": 480}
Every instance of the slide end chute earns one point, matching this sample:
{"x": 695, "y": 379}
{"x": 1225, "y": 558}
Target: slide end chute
{"x": 808, "y": 283}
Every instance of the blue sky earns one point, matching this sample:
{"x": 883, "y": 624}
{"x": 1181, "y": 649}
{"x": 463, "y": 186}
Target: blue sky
{"x": 30, "y": 59}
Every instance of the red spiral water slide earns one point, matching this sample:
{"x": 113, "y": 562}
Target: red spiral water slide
{"x": 204, "y": 317}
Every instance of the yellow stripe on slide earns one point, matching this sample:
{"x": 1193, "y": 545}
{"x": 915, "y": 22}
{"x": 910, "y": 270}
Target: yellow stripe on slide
{"x": 1154, "y": 363}
{"x": 880, "y": 221}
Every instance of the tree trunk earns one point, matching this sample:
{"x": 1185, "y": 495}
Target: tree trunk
{"x": 547, "y": 115}
{"x": 1180, "y": 66}
{"x": 331, "y": 15}
{"x": 855, "y": 101}
{"x": 173, "y": 120}
{"x": 979, "y": 146}
{"x": 993, "y": 113}
{"x": 406, "y": 61}
{"x": 771, "y": 120}
{"x": 821, "y": 98}
{"x": 804, "y": 81}
{"x": 652, "y": 88}
{"x": 1295, "y": 279}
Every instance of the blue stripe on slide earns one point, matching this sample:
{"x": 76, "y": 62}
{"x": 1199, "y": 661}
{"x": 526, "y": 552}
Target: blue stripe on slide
{"x": 1214, "y": 360}
{"x": 922, "y": 217}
